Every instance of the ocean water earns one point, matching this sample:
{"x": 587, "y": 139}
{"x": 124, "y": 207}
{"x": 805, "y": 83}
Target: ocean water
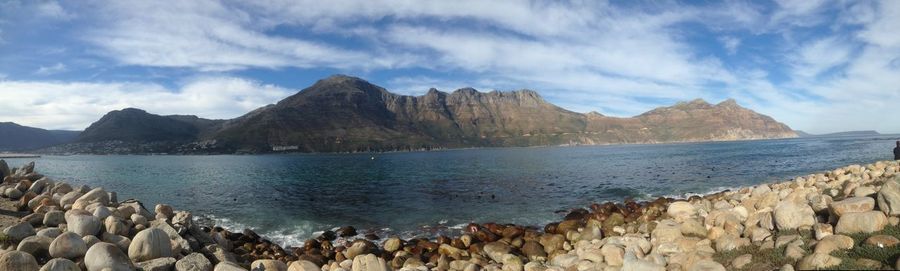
{"x": 290, "y": 197}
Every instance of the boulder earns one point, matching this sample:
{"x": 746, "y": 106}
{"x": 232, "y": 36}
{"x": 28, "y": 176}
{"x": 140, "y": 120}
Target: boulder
{"x": 792, "y": 215}
{"x": 821, "y": 230}
{"x": 114, "y": 225}
{"x": 865, "y": 222}
{"x": 150, "y": 244}
{"x": 564, "y": 260}
{"x": 853, "y": 205}
{"x": 102, "y": 212}
{"x": 54, "y": 218}
{"x": 194, "y": 262}
{"x": 19, "y": 231}
{"x": 60, "y": 264}
{"x": 613, "y": 254}
{"x": 889, "y": 197}
{"x": 68, "y": 245}
{"x": 302, "y": 265}
{"x": 158, "y": 264}
{"x": 742, "y": 261}
{"x": 96, "y": 195}
{"x": 681, "y": 210}
{"x": 49, "y": 232}
{"x": 37, "y": 246}
{"x": 107, "y": 257}
{"x": 120, "y": 241}
{"x": 369, "y": 262}
{"x": 13, "y": 193}
{"x": 496, "y": 250}
{"x": 818, "y": 261}
{"x": 164, "y": 210}
{"x": 534, "y": 250}
{"x": 269, "y": 265}
{"x": 228, "y": 266}
{"x": 82, "y": 223}
{"x": 706, "y": 265}
{"x": 18, "y": 261}
{"x": 69, "y": 198}
{"x": 392, "y": 244}
{"x": 882, "y": 241}
{"x": 731, "y": 242}
{"x": 832, "y": 243}
{"x": 90, "y": 240}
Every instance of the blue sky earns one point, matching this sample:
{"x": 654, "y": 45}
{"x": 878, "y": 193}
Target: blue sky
{"x": 818, "y": 66}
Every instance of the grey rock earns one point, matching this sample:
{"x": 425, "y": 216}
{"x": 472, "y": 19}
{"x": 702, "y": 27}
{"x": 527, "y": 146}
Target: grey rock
{"x": 35, "y": 245}
{"x": 107, "y": 257}
{"x": 54, "y": 218}
{"x": 18, "y": 261}
{"x": 60, "y": 264}
{"x": 68, "y": 245}
{"x": 82, "y": 223}
{"x": 19, "y": 231}
{"x": 150, "y": 244}
{"x": 889, "y": 197}
{"x": 193, "y": 262}
{"x": 159, "y": 264}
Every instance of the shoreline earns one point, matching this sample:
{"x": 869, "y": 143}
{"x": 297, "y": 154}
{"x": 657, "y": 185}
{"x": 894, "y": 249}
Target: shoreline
{"x": 18, "y": 155}
{"x": 821, "y": 220}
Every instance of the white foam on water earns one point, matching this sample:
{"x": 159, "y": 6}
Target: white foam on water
{"x": 701, "y": 194}
{"x": 285, "y": 236}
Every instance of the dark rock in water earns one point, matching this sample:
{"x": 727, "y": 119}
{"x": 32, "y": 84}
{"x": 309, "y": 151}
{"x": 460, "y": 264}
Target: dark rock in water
{"x": 327, "y": 236}
{"x": 4, "y": 169}
{"x": 577, "y": 214}
{"x": 443, "y": 240}
{"x": 513, "y": 232}
{"x": 551, "y": 227}
{"x": 568, "y": 225}
{"x": 472, "y": 227}
{"x": 486, "y": 236}
{"x": 372, "y": 236}
{"x": 311, "y": 244}
{"x": 346, "y": 231}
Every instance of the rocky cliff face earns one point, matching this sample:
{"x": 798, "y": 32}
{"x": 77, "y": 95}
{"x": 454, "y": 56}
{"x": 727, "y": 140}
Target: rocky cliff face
{"x": 346, "y": 114}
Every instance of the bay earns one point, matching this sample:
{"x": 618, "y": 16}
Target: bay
{"x": 289, "y": 197}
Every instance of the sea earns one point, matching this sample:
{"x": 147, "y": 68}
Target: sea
{"x": 289, "y": 198}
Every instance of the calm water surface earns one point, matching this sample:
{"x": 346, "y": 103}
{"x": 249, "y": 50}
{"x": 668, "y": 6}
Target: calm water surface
{"x": 289, "y": 197}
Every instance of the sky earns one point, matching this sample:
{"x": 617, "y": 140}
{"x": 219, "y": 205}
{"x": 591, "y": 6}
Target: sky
{"x": 818, "y": 66}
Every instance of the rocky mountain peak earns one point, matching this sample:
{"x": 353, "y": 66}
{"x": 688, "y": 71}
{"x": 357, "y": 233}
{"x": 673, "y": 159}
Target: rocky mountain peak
{"x": 728, "y": 103}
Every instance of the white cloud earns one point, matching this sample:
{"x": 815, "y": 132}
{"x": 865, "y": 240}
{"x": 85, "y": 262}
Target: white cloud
{"x": 210, "y": 36}
{"x": 821, "y": 55}
{"x": 52, "y": 9}
{"x": 730, "y": 43}
{"x": 74, "y": 105}
{"x": 48, "y": 70}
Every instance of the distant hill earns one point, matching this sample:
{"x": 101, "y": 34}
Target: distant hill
{"x": 133, "y": 124}
{"x": 348, "y": 114}
{"x": 15, "y": 137}
{"x": 838, "y": 134}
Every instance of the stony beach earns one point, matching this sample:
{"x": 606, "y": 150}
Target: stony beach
{"x": 846, "y": 218}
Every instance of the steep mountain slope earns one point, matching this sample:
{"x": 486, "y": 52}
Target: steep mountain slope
{"x": 14, "y": 137}
{"x": 343, "y": 113}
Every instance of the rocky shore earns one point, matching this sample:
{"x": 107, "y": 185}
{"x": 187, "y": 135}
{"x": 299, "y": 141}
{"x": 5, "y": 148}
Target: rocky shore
{"x": 846, "y": 218}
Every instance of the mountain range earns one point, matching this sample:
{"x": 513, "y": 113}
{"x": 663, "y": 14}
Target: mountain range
{"x": 14, "y": 137}
{"x": 347, "y": 114}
